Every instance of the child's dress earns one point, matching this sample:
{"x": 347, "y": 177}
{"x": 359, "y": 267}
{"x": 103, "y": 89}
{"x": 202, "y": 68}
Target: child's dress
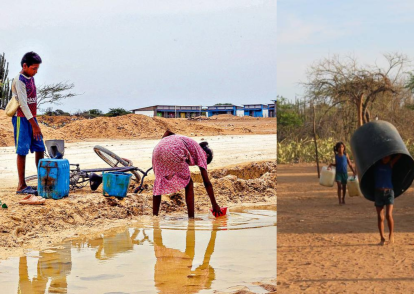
{"x": 171, "y": 159}
{"x": 341, "y": 169}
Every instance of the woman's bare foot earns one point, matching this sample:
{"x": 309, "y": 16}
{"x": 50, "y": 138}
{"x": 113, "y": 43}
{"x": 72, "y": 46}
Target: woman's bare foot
{"x": 382, "y": 243}
{"x": 391, "y": 239}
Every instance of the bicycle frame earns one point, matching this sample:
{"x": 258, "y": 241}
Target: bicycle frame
{"x": 84, "y": 174}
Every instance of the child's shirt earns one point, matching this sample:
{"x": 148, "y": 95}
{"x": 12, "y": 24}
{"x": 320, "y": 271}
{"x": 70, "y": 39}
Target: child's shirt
{"x": 25, "y": 89}
{"x": 341, "y": 163}
{"x": 383, "y": 176}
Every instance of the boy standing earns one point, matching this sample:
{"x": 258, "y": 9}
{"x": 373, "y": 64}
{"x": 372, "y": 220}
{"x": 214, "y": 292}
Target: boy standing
{"x": 27, "y": 133}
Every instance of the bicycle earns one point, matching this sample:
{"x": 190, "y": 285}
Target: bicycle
{"x": 79, "y": 178}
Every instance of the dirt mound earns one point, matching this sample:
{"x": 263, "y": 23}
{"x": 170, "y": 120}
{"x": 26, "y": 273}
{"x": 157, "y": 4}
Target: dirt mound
{"x": 56, "y": 122}
{"x": 133, "y": 126}
{"x": 6, "y": 131}
{"x": 136, "y": 126}
{"x": 231, "y": 188}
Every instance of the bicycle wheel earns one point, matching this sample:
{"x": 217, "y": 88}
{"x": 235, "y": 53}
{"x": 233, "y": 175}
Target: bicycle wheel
{"x": 114, "y": 160}
{"x": 30, "y": 179}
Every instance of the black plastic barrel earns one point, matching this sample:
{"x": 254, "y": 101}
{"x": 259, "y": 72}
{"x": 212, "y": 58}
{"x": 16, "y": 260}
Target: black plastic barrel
{"x": 372, "y": 142}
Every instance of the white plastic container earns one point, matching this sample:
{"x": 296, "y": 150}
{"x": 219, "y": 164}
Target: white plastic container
{"x": 327, "y": 178}
{"x": 353, "y": 187}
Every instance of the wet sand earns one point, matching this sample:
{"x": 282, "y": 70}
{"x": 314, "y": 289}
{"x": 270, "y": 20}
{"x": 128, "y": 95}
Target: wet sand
{"x": 327, "y": 248}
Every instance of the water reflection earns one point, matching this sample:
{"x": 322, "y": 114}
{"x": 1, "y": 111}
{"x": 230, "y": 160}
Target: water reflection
{"x": 173, "y": 269}
{"x": 108, "y": 247}
{"x": 52, "y": 269}
{"x": 144, "y": 259}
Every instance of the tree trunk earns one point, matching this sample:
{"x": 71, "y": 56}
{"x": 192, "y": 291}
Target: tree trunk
{"x": 360, "y": 110}
{"x": 316, "y": 143}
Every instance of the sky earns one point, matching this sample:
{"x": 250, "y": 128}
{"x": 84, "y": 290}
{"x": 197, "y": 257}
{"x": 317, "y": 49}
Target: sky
{"x": 134, "y": 54}
{"x": 309, "y": 31}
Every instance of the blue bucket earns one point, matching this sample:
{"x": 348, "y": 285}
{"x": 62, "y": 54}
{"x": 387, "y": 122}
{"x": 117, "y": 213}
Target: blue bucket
{"x": 116, "y": 183}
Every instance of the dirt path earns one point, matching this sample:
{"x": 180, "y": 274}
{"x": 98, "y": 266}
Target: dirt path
{"x": 327, "y": 248}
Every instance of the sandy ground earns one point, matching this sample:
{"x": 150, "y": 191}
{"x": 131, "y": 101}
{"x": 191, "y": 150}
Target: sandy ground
{"x": 243, "y": 172}
{"x": 327, "y": 248}
{"x": 228, "y": 150}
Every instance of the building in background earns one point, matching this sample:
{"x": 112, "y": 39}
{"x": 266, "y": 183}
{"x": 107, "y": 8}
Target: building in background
{"x": 171, "y": 111}
{"x": 180, "y": 111}
{"x": 225, "y": 109}
{"x": 256, "y": 110}
{"x": 272, "y": 109}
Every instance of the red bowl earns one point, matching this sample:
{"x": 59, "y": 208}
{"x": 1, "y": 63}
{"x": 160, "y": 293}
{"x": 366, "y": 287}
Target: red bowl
{"x": 223, "y": 211}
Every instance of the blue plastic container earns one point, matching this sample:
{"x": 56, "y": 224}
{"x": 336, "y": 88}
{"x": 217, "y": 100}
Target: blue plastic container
{"x": 116, "y": 183}
{"x": 53, "y": 178}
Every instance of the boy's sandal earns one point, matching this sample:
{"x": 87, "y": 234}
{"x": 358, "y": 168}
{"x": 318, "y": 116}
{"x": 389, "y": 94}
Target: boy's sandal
{"x": 33, "y": 200}
{"x": 27, "y": 190}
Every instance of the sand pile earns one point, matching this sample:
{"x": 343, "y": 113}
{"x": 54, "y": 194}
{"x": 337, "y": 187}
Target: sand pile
{"x": 136, "y": 126}
{"x": 132, "y": 126}
{"x": 85, "y": 212}
{"x": 6, "y": 131}
{"x": 57, "y": 122}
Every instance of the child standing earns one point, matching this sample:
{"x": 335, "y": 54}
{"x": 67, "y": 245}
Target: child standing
{"x": 341, "y": 176}
{"x": 384, "y": 195}
{"x": 27, "y": 133}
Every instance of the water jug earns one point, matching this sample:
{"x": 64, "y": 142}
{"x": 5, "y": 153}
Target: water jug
{"x": 53, "y": 178}
{"x": 353, "y": 187}
{"x": 372, "y": 142}
{"x": 327, "y": 178}
{"x": 55, "y": 148}
{"x": 116, "y": 183}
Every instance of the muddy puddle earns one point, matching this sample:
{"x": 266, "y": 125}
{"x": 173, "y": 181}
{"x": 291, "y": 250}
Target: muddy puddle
{"x": 168, "y": 255}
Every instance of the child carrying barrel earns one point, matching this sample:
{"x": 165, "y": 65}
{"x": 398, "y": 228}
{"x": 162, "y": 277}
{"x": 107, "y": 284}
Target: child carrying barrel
{"x": 384, "y": 194}
{"x": 341, "y": 163}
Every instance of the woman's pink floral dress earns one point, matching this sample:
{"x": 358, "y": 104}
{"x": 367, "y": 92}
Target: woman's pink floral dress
{"x": 171, "y": 159}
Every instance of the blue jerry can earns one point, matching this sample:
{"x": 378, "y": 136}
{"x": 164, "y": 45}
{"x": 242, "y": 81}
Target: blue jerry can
{"x": 53, "y": 178}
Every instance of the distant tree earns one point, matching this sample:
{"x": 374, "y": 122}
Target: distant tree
{"x": 95, "y": 112}
{"x": 58, "y": 112}
{"x": 117, "y": 112}
{"x": 218, "y": 104}
{"x": 287, "y": 116}
{"x": 410, "y": 83}
{"x": 5, "y": 89}
{"x": 54, "y": 93}
{"x": 336, "y": 81}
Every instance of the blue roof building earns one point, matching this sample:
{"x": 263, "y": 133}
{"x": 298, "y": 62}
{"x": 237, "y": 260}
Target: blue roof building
{"x": 256, "y": 110}
{"x": 225, "y": 109}
{"x": 171, "y": 111}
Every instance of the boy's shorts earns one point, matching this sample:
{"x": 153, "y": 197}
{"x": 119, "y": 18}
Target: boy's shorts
{"x": 384, "y": 197}
{"x": 23, "y": 137}
{"x": 341, "y": 177}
